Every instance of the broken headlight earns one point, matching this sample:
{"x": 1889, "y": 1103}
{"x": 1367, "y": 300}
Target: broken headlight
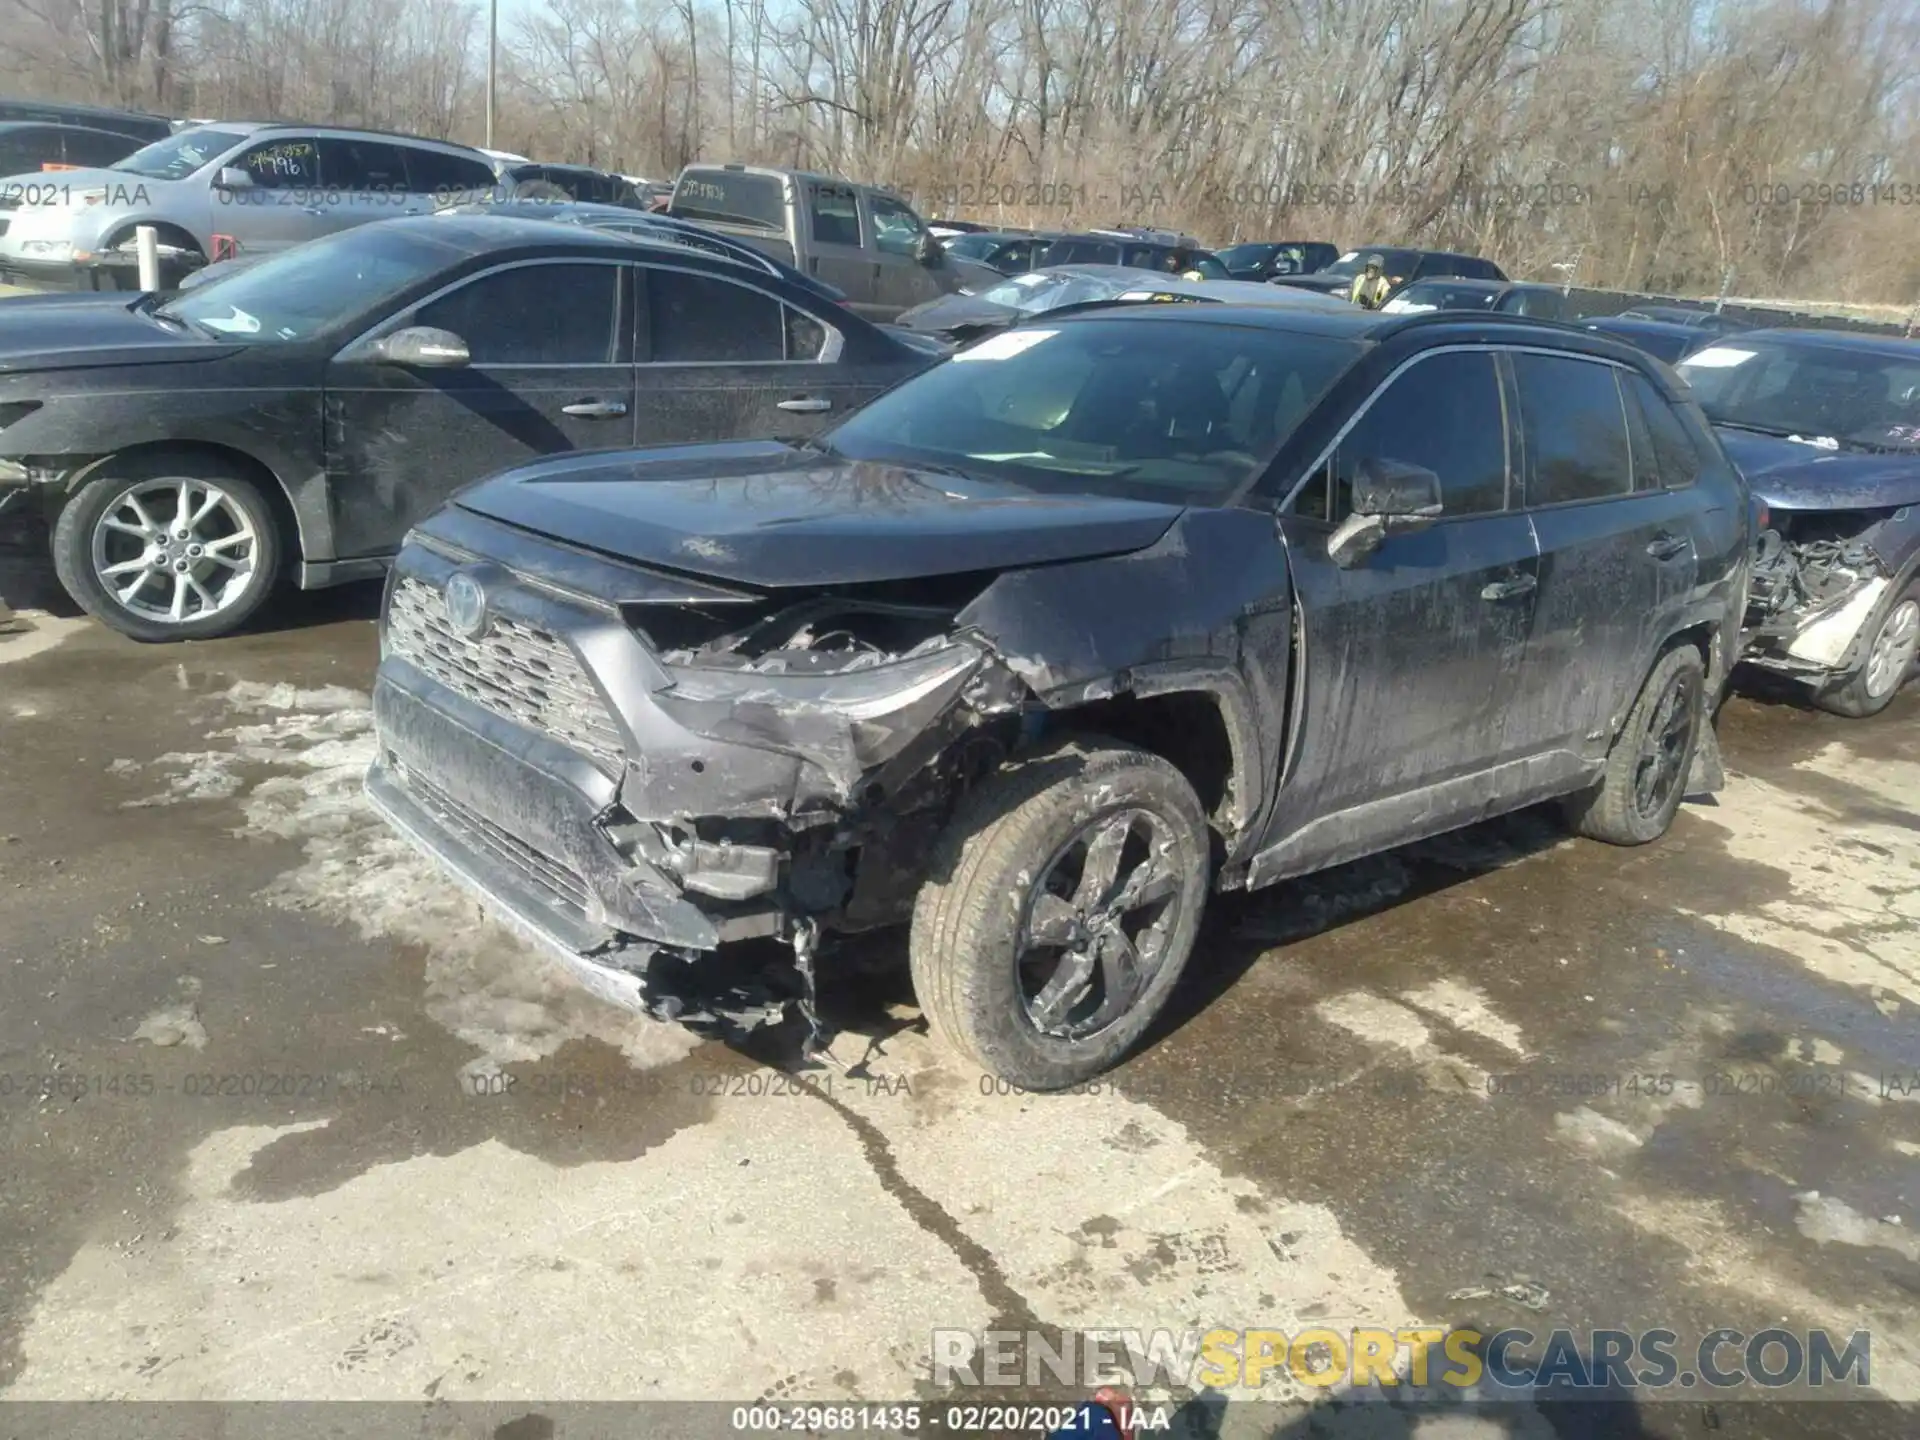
{"x": 845, "y": 720}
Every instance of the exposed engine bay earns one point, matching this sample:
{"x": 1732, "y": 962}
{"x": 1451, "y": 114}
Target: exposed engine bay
{"x": 1818, "y": 578}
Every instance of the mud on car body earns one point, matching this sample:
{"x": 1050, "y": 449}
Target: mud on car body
{"x": 1826, "y": 428}
{"x": 1045, "y": 644}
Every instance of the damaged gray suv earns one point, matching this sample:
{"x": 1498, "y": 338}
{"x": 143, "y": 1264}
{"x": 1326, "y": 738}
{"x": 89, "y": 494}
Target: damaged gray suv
{"x": 1047, "y": 644}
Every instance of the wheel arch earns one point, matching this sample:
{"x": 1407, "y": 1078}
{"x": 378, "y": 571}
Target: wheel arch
{"x": 1197, "y": 717}
{"x": 286, "y": 515}
{"x": 168, "y": 232}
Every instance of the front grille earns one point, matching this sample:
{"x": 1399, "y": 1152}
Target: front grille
{"x": 562, "y": 886}
{"x": 519, "y": 671}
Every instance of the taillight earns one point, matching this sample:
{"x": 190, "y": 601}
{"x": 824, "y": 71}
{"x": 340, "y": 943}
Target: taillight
{"x": 1761, "y": 518}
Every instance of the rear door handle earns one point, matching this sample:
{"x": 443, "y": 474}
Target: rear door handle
{"x": 1509, "y": 589}
{"x": 807, "y": 404}
{"x": 1666, "y": 547}
{"x": 596, "y": 409}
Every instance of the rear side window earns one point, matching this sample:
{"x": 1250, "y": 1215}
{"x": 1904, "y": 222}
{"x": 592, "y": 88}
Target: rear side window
{"x": 1442, "y": 414}
{"x": 97, "y": 147}
{"x": 283, "y": 165}
{"x": 836, "y": 214}
{"x": 1676, "y": 458}
{"x": 1575, "y": 427}
{"x": 546, "y": 314}
{"x": 693, "y": 318}
{"x": 806, "y": 336}
{"x": 363, "y": 165}
{"x": 435, "y": 172}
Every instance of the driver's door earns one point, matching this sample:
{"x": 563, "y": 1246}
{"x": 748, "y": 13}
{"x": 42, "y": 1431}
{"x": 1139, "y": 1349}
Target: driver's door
{"x": 551, "y": 370}
{"x": 899, "y": 240}
{"x": 1411, "y": 657}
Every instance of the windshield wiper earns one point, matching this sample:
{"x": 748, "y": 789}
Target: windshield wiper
{"x": 1772, "y": 430}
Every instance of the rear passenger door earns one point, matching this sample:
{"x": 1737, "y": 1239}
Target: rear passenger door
{"x": 834, "y": 251}
{"x": 551, "y": 371}
{"x": 365, "y": 180}
{"x": 1411, "y": 658}
{"x": 1617, "y": 557}
{"x": 720, "y": 359}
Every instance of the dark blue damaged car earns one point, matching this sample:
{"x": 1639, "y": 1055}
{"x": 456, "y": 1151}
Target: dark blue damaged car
{"x": 1045, "y": 645}
{"x": 1826, "y": 428}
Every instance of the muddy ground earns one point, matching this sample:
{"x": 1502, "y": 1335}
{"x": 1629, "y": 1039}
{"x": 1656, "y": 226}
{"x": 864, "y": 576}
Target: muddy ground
{"x": 317, "y": 1130}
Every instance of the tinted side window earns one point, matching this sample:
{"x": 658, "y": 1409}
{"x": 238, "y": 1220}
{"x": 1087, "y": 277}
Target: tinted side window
{"x": 806, "y": 336}
{"x": 1575, "y": 427}
{"x": 1442, "y": 414}
{"x": 363, "y": 165}
{"x": 550, "y": 314}
{"x": 97, "y": 147}
{"x": 1674, "y": 454}
{"x": 896, "y": 229}
{"x": 703, "y": 317}
{"x": 431, "y": 172}
{"x": 283, "y": 165}
{"x": 836, "y": 215}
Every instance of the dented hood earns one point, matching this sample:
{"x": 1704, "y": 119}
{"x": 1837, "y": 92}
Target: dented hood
{"x": 1789, "y": 475}
{"x": 65, "y": 332}
{"x": 765, "y": 514}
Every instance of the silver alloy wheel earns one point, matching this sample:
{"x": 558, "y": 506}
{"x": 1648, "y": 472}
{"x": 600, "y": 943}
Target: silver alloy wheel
{"x": 174, "y": 550}
{"x": 1893, "y": 649}
{"x": 1098, "y": 923}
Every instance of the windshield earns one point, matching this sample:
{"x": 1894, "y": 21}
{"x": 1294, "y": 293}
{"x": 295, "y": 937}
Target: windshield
{"x": 1425, "y": 295}
{"x": 1398, "y": 262}
{"x": 178, "y": 156}
{"x": 1246, "y": 257}
{"x": 309, "y": 289}
{"x": 1134, "y": 407}
{"x": 1835, "y": 395}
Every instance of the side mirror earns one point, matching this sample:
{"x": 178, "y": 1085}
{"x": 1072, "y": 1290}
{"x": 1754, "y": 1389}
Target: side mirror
{"x": 233, "y": 177}
{"x": 927, "y": 250}
{"x": 1394, "y": 490}
{"x": 1388, "y": 498}
{"x": 421, "y": 346}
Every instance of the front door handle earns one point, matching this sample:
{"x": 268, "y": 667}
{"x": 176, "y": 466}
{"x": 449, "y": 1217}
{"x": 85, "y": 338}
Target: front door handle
{"x": 1665, "y": 546}
{"x": 1509, "y": 589}
{"x": 807, "y": 404}
{"x": 596, "y": 409}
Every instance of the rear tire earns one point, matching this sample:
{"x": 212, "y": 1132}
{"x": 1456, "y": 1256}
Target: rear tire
{"x": 168, "y": 547}
{"x": 1068, "y": 892}
{"x": 1647, "y": 769}
{"x": 1888, "y": 665}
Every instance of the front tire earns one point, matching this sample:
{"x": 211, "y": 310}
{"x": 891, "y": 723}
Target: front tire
{"x": 168, "y": 547}
{"x": 1646, "y": 776}
{"x": 1889, "y": 663}
{"x": 1066, "y": 897}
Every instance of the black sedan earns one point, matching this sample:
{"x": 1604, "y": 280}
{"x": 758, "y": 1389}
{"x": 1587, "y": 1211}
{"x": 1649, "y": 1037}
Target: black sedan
{"x": 297, "y": 416}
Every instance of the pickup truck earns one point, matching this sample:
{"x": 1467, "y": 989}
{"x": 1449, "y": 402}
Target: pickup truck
{"x": 867, "y": 242}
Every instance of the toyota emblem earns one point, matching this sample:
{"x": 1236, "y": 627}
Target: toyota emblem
{"x": 466, "y": 606}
